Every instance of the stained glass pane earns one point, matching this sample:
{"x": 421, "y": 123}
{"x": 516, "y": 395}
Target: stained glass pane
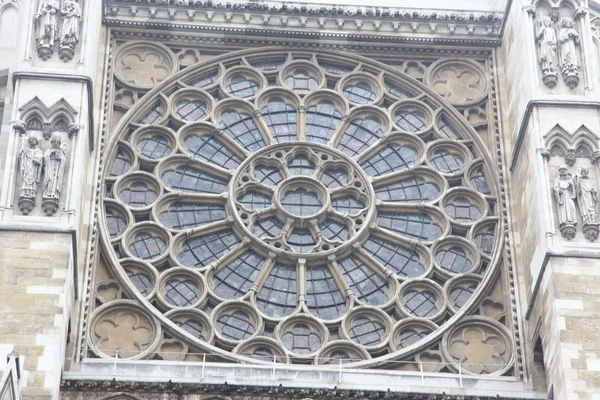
{"x": 209, "y": 148}
{"x": 194, "y": 327}
{"x": 186, "y": 178}
{"x": 361, "y": 93}
{"x": 484, "y": 239}
{"x": 242, "y": 87}
{"x": 360, "y": 134}
{"x": 461, "y": 295}
{"x": 301, "y": 82}
{"x": 115, "y": 223}
{"x": 448, "y": 130}
{"x": 411, "y": 121}
{"x": 461, "y": 210}
{"x": 447, "y": 162}
{"x": 241, "y": 128}
{"x": 301, "y": 240}
{"x": 392, "y": 158}
{"x": 366, "y": 331}
{"x": 415, "y": 226}
{"x": 147, "y": 247}
{"x": 412, "y": 190}
{"x": 323, "y": 297}
{"x": 281, "y": 119}
{"x": 235, "y": 279}
{"x": 347, "y": 205}
{"x": 181, "y": 293}
{"x": 268, "y": 227}
{"x": 138, "y": 195}
{"x": 404, "y": 262}
{"x": 191, "y": 110}
{"x": 479, "y": 181}
{"x": 334, "y": 177}
{"x": 277, "y": 298}
{"x": 268, "y": 65}
{"x": 454, "y": 260}
{"x": 301, "y": 165}
{"x": 236, "y": 326}
{"x": 205, "y": 80}
{"x": 200, "y": 251}
{"x": 182, "y": 215}
{"x": 409, "y": 336}
{"x": 420, "y": 304}
{"x": 397, "y": 90}
{"x": 254, "y": 200}
{"x": 121, "y": 164}
{"x": 321, "y": 122}
{"x": 301, "y": 340}
{"x": 267, "y": 175}
{"x": 334, "y": 231}
{"x": 152, "y": 116}
{"x": 366, "y": 285}
{"x": 301, "y": 202}
{"x": 140, "y": 280}
{"x": 154, "y": 147}
{"x": 334, "y": 68}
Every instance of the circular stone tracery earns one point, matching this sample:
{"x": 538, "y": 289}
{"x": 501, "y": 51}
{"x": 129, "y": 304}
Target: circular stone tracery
{"x": 272, "y": 207}
{"x": 303, "y": 197}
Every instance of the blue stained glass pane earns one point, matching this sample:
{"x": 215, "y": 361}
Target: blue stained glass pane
{"x": 301, "y": 165}
{"x": 235, "y": 279}
{"x": 321, "y": 122}
{"x": 277, "y": 298}
{"x": 364, "y": 282}
{"x": 281, "y": 119}
{"x": 182, "y": 215}
{"x": 392, "y": 158}
{"x": 334, "y": 231}
{"x": 268, "y": 227}
{"x": 241, "y": 87}
{"x": 361, "y": 93}
{"x": 404, "y": 262}
{"x": 200, "y": 251}
{"x": 208, "y": 148}
{"x": 301, "y": 82}
{"x": 267, "y": 175}
{"x": 254, "y": 200}
{"x": 415, "y": 226}
{"x": 412, "y": 190}
{"x": 241, "y": 128}
{"x": 347, "y": 205}
{"x": 334, "y": 177}
{"x": 323, "y": 297}
{"x": 186, "y": 178}
{"x": 301, "y": 240}
{"x": 359, "y": 135}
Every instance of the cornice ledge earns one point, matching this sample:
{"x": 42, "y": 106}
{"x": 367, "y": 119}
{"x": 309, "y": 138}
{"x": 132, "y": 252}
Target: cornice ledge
{"x": 321, "y": 10}
{"x": 280, "y": 15}
{"x": 248, "y": 391}
{"x": 274, "y": 33}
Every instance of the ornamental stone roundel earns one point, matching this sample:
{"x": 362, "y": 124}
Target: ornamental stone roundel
{"x": 461, "y": 82}
{"x": 301, "y": 206}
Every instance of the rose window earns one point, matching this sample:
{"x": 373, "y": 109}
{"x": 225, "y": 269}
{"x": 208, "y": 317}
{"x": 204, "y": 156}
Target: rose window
{"x": 298, "y": 207}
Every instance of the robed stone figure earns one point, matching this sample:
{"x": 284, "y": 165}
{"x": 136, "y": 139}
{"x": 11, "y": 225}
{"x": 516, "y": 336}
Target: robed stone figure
{"x": 546, "y": 40}
{"x": 30, "y": 166}
{"x": 565, "y": 194}
{"x": 69, "y": 32}
{"x": 47, "y": 28}
{"x": 569, "y": 63}
{"x": 55, "y": 161}
{"x": 587, "y": 197}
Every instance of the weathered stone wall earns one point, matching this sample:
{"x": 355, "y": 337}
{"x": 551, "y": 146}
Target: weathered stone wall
{"x": 35, "y": 291}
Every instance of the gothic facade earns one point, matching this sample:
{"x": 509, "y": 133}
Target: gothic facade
{"x": 261, "y": 200}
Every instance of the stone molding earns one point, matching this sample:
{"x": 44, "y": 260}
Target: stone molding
{"x": 276, "y": 18}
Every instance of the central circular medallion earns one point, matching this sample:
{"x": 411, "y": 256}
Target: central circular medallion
{"x": 303, "y": 200}
{"x": 302, "y": 197}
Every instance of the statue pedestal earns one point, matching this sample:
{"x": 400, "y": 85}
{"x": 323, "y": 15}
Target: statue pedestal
{"x": 568, "y": 231}
{"x": 45, "y": 51}
{"x": 50, "y": 206}
{"x": 66, "y": 53}
{"x": 26, "y": 204}
{"x": 571, "y": 78}
{"x": 591, "y": 231}
{"x": 550, "y": 78}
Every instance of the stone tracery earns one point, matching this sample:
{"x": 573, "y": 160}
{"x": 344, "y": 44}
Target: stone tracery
{"x": 243, "y": 197}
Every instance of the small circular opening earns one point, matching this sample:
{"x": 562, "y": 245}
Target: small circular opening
{"x": 245, "y": 178}
{"x": 324, "y": 157}
{"x": 325, "y": 247}
{"x": 277, "y": 245}
{"x": 359, "y": 221}
{"x": 279, "y": 154}
{"x": 244, "y": 216}
{"x": 358, "y": 184}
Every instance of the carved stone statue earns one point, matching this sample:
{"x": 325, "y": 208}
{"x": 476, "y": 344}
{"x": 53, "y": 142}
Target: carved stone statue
{"x": 55, "y": 160}
{"x": 546, "y": 39}
{"x": 30, "y": 166}
{"x": 569, "y": 63}
{"x": 587, "y": 200}
{"x": 564, "y": 192}
{"x": 69, "y": 32}
{"x": 46, "y": 31}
